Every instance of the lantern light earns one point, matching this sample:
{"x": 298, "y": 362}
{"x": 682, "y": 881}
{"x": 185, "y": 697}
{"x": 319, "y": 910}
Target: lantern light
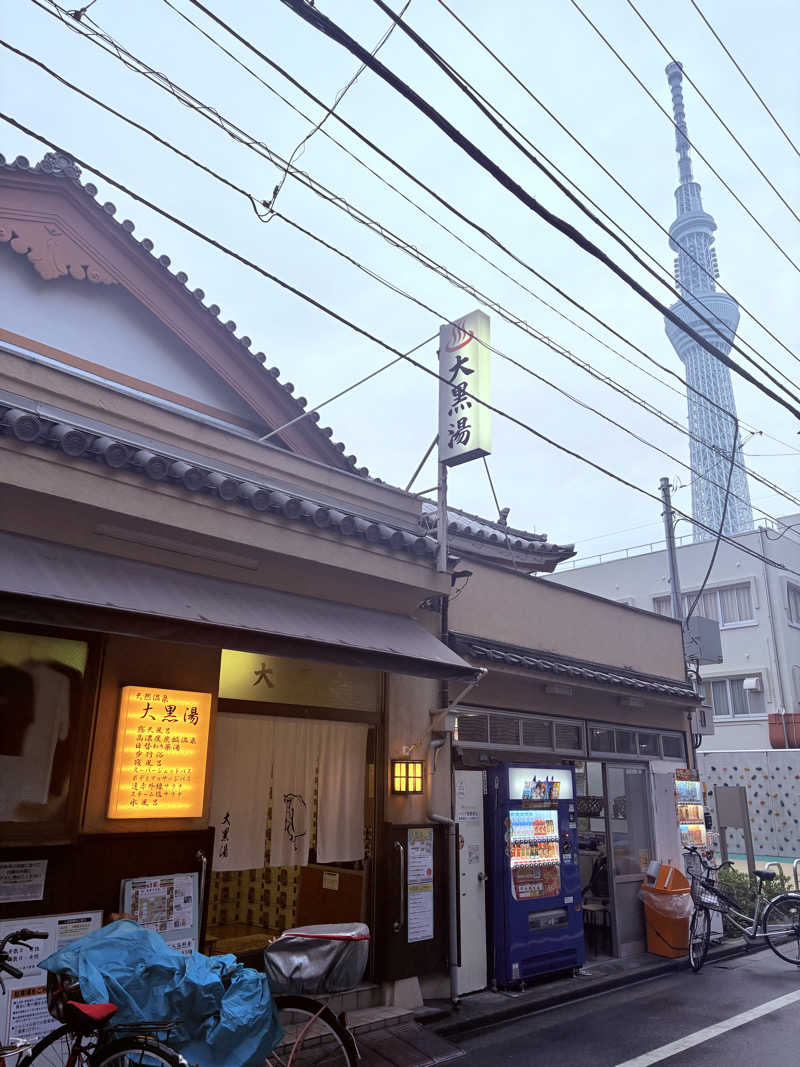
{"x": 407, "y": 776}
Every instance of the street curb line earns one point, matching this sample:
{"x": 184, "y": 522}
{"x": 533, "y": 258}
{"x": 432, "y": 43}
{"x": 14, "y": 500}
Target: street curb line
{"x": 502, "y": 1015}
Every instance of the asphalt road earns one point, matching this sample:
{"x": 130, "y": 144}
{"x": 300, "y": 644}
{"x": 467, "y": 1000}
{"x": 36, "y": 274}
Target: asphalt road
{"x": 661, "y": 1021}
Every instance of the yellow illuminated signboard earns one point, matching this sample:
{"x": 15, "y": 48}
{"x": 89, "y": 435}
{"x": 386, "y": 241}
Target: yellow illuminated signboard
{"x": 160, "y": 755}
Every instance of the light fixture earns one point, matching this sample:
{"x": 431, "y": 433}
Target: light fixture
{"x": 407, "y": 776}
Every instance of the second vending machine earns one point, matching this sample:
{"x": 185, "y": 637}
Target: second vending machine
{"x": 534, "y": 884}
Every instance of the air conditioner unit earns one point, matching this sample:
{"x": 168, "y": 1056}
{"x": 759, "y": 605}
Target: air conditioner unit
{"x": 752, "y": 685}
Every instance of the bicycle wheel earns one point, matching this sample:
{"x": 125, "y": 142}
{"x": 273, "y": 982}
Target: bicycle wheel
{"x": 137, "y": 1052}
{"x": 312, "y": 1036}
{"x": 60, "y": 1048}
{"x": 782, "y": 927}
{"x": 699, "y": 937}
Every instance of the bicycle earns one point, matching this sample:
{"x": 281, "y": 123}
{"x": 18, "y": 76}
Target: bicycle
{"x": 778, "y": 917}
{"x": 88, "y": 1037}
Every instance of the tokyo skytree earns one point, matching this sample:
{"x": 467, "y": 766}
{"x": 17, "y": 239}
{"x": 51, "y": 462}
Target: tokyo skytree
{"x": 712, "y": 431}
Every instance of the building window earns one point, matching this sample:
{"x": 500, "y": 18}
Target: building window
{"x": 736, "y": 698}
{"x": 793, "y": 592}
{"x": 731, "y": 605}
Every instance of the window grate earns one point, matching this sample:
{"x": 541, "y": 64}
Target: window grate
{"x": 537, "y": 733}
{"x": 503, "y": 730}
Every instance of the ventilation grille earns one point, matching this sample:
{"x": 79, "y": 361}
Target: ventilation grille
{"x": 537, "y": 733}
{"x": 503, "y": 730}
{"x": 474, "y": 728}
{"x": 569, "y": 737}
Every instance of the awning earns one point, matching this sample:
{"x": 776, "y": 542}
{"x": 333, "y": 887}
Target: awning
{"x": 93, "y": 591}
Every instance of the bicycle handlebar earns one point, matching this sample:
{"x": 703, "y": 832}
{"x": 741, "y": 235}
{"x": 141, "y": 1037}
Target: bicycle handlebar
{"x": 692, "y": 850}
{"x": 9, "y": 968}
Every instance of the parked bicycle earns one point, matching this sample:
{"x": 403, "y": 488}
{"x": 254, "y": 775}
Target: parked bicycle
{"x": 313, "y": 1036}
{"x": 775, "y": 920}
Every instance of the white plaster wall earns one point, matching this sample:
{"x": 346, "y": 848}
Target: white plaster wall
{"x": 106, "y": 325}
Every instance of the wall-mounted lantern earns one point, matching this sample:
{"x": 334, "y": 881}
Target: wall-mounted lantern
{"x": 407, "y": 776}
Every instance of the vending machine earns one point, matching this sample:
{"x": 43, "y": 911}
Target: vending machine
{"x": 690, "y": 806}
{"x": 535, "y": 893}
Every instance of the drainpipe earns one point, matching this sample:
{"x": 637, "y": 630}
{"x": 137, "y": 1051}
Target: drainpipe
{"x": 452, "y": 886}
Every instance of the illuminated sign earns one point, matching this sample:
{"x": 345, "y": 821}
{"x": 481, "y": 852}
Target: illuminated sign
{"x": 160, "y": 756}
{"x": 464, "y": 368}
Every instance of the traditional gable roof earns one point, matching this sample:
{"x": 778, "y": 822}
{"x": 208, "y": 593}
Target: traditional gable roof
{"x": 48, "y": 215}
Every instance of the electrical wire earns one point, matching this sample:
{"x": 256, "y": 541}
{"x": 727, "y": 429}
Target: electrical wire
{"x": 755, "y": 91}
{"x": 330, "y": 29}
{"x": 712, "y": 109}
{"x": 504, "y": 125}
{"x": 339, "y": 97}
{"x": 361, "y": 331}
{"x": 672, "y": 121}
{"x": 343, "y": 392}
{"x": 512, "y": 319}
{"x": 620, "y": 184}
{"x": 432, "y": 218}
{"x": 711, "y": 562}
{"x": 211, "y": 114}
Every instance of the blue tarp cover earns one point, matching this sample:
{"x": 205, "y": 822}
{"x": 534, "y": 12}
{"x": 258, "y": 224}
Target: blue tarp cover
{"x": 227, "y": 1016}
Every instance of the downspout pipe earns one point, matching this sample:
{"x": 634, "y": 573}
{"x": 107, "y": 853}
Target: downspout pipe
{"x": 452, "y": 886}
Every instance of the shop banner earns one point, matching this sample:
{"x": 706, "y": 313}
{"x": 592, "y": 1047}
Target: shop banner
{"x": 23, "y": 1010}
{"x": 240, "y": 795}
{"x": 342, "y": 780}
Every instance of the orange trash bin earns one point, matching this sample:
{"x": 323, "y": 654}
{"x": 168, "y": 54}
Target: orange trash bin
{"x": 667, "y": 912}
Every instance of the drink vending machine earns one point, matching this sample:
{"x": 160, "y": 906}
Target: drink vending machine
{"x": 534, "y": 884}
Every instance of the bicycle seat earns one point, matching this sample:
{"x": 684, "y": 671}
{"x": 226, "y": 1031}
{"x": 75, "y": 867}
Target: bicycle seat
{"x": 87, "y": 1017}
{"x": 765, "y": 876}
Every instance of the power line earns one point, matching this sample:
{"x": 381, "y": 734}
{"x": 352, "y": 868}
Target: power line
{"x": 339, "y": 97}
{"x": 672, "y": 121}
{"x": 503, "y": 124}
{"x": 454, "y": 279}
{"x": 331, "y": 313}
{"x": 330, "y": 29}
{"x": 712, "y": 109}
{"x": 620, "y": 184}
{"x": 758, "y": 95}
{"x": 211, "y": 114}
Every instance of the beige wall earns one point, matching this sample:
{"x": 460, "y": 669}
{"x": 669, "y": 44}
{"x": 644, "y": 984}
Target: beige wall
{"x": 536, "y": 614}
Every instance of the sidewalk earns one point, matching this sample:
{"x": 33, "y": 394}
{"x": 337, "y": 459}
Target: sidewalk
{"x": 478, "y": 1010}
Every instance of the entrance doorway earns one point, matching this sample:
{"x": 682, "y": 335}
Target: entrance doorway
{"x": 615, "y": 846}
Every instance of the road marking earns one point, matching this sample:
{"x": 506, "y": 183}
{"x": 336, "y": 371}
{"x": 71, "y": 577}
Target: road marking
{"x": 709, "y": 1032}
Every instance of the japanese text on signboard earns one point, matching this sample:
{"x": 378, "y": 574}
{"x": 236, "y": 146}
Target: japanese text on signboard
{"x": 160, "y": 756}
{"x": 464, "y": 423}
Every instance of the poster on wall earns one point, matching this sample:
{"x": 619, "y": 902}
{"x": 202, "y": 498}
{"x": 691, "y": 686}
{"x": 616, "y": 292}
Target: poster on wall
{"x": 23, "y": 1011}
{"x": 167, "y": 904}
{"x": 22, "y": 880}
{"x": 420, "y": 884}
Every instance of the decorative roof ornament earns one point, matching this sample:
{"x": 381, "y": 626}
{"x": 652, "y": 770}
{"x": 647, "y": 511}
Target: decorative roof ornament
{"x": 58, "y": 163}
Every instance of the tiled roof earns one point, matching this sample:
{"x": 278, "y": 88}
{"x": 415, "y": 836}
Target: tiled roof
{"x": 154, "y": 463}
{"x": 488, "y": 651}
{"x": 62, "y": 167}
{"x": 524, "y": 550}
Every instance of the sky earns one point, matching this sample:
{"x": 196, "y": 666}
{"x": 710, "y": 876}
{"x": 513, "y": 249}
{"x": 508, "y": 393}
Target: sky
{"x": 390, "y": 421}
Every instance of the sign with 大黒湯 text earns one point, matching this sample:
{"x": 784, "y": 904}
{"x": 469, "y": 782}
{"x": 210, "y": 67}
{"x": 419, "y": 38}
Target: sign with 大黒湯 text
{"x": 160, "y": 756}
{"x": 464, "y": 368}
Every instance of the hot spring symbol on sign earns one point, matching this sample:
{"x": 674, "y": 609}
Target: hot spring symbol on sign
{"x": 464, "y": 369}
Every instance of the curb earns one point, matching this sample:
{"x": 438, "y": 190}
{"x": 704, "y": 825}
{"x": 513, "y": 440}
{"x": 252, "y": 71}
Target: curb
{"x": 607, "y": 985}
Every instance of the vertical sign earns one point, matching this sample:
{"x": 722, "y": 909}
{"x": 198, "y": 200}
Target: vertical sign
{"x": 420, "y": 884}
{"x": 464, "y": 368}
{"x": 160, "y": 756}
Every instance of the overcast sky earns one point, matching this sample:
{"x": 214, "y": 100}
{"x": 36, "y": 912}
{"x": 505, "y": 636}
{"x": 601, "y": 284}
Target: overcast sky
{"x": 390, "y": 421}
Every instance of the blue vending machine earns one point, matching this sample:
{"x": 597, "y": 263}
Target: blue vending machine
{"x": 536, "y": 911}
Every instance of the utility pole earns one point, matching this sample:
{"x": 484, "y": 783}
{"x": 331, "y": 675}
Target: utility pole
{"x": 441, "y": 524}
{"x": 672, "y": 562}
